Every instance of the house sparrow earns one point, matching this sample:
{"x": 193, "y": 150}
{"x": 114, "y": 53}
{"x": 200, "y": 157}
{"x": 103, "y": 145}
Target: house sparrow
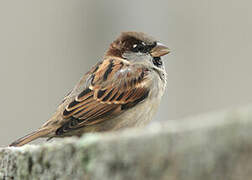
{"x": 123, "y": 90}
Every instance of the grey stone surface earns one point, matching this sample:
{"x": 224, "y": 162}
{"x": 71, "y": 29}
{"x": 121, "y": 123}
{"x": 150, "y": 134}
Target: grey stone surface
{"x": 210, "y": 147}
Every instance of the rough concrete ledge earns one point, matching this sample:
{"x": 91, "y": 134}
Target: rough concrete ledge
{"x": 211, "y": 146}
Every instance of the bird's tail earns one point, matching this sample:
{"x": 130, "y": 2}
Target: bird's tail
{"x": 30, "y": 137}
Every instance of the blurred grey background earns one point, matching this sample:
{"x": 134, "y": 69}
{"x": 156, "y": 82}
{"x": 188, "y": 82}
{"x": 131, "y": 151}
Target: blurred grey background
{"x": 46, "y": 46}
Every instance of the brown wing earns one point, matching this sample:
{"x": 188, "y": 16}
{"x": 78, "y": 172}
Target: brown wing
{"x": 115, "y": 85}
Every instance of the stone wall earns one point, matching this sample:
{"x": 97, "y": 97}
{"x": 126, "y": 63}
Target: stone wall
{"x": 211, "y": 147}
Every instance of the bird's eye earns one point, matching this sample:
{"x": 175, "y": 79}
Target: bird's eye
{"x": 142, "y": 47}
{"x": 138, "y": 47}
{"x": 134, "y": 46}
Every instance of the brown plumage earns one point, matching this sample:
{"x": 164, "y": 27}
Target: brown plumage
{"x": 107, "y": 97}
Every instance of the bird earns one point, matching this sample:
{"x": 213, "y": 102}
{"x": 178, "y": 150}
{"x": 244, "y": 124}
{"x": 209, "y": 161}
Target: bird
{"x": 121, "y": 91}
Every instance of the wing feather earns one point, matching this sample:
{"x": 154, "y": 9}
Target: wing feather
{"x": 116, "y": 85}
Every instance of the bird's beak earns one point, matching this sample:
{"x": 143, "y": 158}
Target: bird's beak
{"x": 159, "y": 50}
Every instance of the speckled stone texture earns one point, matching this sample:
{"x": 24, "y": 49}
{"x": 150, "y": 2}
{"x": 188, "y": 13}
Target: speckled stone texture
{"x": 216, "y": 146}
